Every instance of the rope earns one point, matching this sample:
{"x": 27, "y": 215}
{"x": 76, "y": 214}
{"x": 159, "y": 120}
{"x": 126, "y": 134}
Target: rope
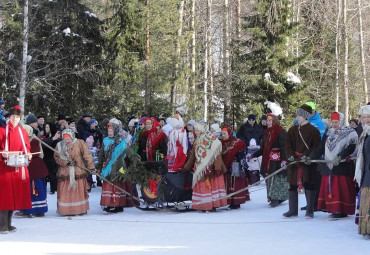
{"x": 90, "y": 172}
{"x": 178, "y": 206}
{"x": 259, "y": 182}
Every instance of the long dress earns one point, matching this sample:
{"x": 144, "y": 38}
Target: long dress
{"x": 14, "y": 182}
{"x": 208, "y": 180}
{"x": 273, "y": 153}
{"x": 337, "y": 189}
{"x": 111, "y": 163}
{"x": 73, "y": 199}
{"x": 38, "y": 172}
{"x": 234, "y": 157}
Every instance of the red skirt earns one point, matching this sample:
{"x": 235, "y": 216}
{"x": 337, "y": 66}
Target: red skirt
{"x": 208, "y": 193}
{"x": 111, "y": 196}
{"x": 234, "y": 184}
{"x": 341, "y": 199}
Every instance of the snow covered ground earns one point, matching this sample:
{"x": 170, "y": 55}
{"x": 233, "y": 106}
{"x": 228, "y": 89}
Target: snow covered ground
{"x": 253, "y": 229}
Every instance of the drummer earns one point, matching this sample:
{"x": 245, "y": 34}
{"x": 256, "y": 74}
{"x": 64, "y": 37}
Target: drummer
{"x": 14, "y": 181}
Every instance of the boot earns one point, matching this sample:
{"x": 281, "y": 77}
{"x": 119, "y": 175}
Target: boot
{"x": 4, "y": 222}
{"x": 274, "y": 203}
{"x": 310, "y": 198}
{"x": 10, "y": 227}
{"x": 293, "y": 204}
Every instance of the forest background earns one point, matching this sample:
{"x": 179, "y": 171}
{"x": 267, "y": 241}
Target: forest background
{"x": 217, "y": 60}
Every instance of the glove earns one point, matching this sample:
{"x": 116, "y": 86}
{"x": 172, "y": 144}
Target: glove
{"x": 283, "y": 163}
{"x": 291, "y": 159}
{"x": 348, "y": 159}
{"x": 306, "y": 160}
{"x": 336, "y": 160}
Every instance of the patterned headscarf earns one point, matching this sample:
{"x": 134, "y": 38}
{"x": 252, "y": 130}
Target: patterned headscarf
{"x": 231, "y": 146}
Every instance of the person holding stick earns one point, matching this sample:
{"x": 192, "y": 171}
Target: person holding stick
{"x": 14, "y": 179}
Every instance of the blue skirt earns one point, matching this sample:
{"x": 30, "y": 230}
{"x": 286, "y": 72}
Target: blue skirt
{"x": 38, "y": 198}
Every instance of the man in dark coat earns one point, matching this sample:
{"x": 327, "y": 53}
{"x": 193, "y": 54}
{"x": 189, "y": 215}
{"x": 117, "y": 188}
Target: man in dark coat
{"x": 83, "y": 125}
{"x": 301, "y": 140}
{"x": 250, "y": 130}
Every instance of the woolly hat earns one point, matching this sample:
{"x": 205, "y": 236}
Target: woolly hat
{"x": 251, "y": 117}
{"x": 313, "y": 106}
{"x": 142, "y": 120}
{"x": 93, "y": 121}
{"x": 191, "y": 122}
{"x": 264, "y": 117}
{"x": 252, "y": 142}
{"x": 216, "y": 127}
{"x": 304, "y": 111}
{"x": 132, "y": 122}
{"x": 31, "y": 119}
{"x": 16, "y": 110}
{"x": 2, "y": 101}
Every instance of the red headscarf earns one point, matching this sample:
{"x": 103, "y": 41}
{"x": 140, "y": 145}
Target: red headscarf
{"x": 231, "y": 147}
{"x": 271, "y": 134}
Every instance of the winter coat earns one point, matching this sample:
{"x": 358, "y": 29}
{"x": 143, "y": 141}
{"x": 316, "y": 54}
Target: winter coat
{"x": 315, "y": 120}
{"x": 15, "y": 193}
{"x": 80, "y": 154}
{"x": 49, "y": 159}
{"x": 82, "y": 126}
{"x": 294, "y": 145}
{"x": 96, "y": 134}
{"x": 277, "y": 146}
{"x": 247, "y": 132}
{"x": 344, "y": 168}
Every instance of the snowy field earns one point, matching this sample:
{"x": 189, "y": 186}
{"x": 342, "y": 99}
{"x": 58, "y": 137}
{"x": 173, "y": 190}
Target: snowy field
{"x": 253, "y": 229}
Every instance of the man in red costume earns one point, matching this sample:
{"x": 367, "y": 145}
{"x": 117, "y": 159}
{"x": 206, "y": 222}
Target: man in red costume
{"x": 14, "y": 181}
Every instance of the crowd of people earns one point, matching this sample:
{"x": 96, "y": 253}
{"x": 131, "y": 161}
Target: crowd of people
{"x": 222, "y": 163}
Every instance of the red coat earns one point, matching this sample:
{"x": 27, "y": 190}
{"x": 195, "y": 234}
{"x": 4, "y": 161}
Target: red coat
{"x": 15, "y": 193}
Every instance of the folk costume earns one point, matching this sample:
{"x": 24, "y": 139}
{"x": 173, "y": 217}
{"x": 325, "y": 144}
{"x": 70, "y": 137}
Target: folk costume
{"x": 177, "y": 145}
{"x": 234, "y": 158}
{"x": 37, "y": 172}
{"x": 301, "y": 140}
{"x": 362, "y": 177}
{"x": 337, "y": 190}
{"x": 273, "y": 158}
{"x": 111, "y": 161}
{"x": 151, "y": 140}
{"x": 14, "y": 181}
{"x": 72, "y": 184}
{"x": 206, "y": 162}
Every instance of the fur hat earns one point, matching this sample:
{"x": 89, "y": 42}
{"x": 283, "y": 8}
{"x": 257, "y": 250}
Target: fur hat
{"x": 304, "y": 111}
{"x": 216, "y": 127}
{"x": 132, "y": 122}
{"x": 61, "y": 117}
{"x": 86, "y": 115}
{"x": 31, "y": 119}
{"x": 191, "y": 122}
{"x": 16, "y": 110}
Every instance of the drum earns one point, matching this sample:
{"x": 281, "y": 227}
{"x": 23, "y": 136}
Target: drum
{"x": 17, "y": 160}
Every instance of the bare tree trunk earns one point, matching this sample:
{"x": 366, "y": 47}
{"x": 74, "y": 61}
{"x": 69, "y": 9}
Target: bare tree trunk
{"x": 147, "y": 54}
{"x": 206, "y": 60}
{"x": 345, "y": 83}
{"x": 22, "y": 89}
{"x": 363, "y": 60}
{"x": 238, "y": 20}
{"x": 226, "y": 64}
{"x": 178, "y": 54}
{"x": 337, "y": 53}
{"x": 210, "y": 63}
{"x": 193, "y": 41}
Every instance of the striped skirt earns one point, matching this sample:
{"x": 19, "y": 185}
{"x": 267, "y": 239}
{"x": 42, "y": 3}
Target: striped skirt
{"x": 113, "y": 197}
{"x": 72, "y": 201}
{"x": 206, "y": 193}
{"x": 38, "y": 197}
